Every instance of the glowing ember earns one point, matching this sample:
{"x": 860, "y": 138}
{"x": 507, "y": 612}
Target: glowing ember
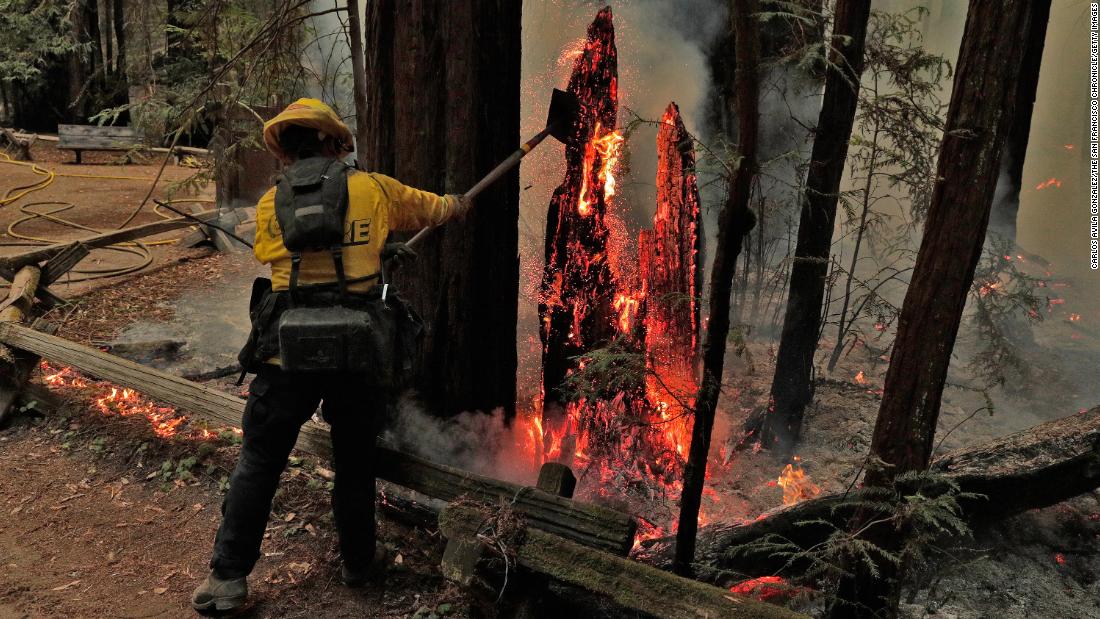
{"x": 860, "y": 378}
{"x": 1074, "y": 317}
{"x": 796, "y": 484}
{"x": 112, "y": 400}
{"x": 1060, "y": 558}
{"x": 1050, "y": 182}
{"x": 766, "y": 588}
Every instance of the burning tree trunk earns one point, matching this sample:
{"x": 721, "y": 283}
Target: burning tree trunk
{"x": 578, "y": 286}
{"x": 792, "y": 386}
{"x": 451, "y": 71}
{"x": 1006, "y": 207}
{"x": 978, "y": 120}
{"x": 733, "y": 224}
{"x": 669, "y": 254}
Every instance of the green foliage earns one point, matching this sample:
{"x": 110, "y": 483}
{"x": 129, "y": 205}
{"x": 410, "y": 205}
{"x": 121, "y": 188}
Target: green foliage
{"x": 919, "y": 511}
{"x": 32, "y": 34}
{"x": 605, "y": 372}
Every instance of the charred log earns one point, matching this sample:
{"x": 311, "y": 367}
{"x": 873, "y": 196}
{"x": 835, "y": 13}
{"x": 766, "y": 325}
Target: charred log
{"x": 1031, "y": 469}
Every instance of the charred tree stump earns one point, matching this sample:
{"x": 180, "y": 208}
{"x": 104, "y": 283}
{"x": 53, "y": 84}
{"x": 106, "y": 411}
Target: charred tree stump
{"x": 669, "y": 255}
{"x": 792, "y": 386}
{"x": 578, "y": 287}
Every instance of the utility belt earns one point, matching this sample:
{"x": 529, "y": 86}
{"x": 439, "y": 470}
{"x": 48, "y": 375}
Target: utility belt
{"x": 320, "y": 328}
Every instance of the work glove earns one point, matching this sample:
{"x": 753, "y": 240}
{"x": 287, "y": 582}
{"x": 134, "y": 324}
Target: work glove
{"x": 396, "y": 254}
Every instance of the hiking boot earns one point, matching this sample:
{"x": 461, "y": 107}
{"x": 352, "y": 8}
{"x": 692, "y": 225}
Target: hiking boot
{"x": 359, "y": 577}
{"x": 220, "y": 594}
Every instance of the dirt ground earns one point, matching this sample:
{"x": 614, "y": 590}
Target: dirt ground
{"x": 95, "y": 203}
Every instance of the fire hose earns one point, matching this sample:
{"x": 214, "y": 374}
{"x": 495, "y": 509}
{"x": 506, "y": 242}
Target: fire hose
{"x": 13, "y": 195}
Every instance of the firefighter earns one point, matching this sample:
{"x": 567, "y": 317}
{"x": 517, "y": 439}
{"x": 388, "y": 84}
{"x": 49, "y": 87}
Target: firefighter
{"x": 322, "y": 229}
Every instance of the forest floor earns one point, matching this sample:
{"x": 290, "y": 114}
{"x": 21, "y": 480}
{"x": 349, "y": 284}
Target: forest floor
{"x": 103, "y": 517}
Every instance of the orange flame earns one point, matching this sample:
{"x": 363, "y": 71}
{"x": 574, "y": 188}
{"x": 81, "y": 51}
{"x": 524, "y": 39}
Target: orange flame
{"x": 608, "y": 148}
{"x": 1050, "y": 182}
{"x": 860, "y": 378}
{"x": 796, "y": 484}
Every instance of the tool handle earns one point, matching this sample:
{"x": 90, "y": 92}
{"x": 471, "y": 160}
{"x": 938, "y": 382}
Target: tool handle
{"x": 490, "y": 178}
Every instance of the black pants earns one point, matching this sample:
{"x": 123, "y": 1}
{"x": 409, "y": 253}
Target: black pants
{"x": 278, "y": 404}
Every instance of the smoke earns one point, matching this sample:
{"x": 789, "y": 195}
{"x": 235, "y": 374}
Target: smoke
{"x": 479, "y": 442}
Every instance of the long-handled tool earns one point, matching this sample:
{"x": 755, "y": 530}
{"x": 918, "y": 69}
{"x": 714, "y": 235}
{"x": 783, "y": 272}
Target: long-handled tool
{"x": 564, "y": 109}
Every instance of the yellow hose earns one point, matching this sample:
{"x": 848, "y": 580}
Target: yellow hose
{"x": 14, "y": 194}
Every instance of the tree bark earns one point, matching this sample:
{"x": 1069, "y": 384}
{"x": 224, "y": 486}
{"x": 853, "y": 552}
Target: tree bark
{"x": 358, "y": 76}
{"x": 792, "y": 385}
{"x": 733, "y": 224}
{"x": 451, "y": 70}
{"x": 1006, "y": 206}
{"x": 979, "y": 118}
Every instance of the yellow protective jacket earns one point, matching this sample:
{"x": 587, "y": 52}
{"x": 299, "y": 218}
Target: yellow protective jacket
{"x": 377, "y": 204}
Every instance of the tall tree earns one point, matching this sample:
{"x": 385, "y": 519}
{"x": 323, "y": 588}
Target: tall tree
{"x": 1006, "y": 206}
{"x": 451, "y": 70}
{"x": 792, "y": 385}
{"x": 358, "y": 76}
{"x": 979, "y": 118}
{"x": 734, "y": 221}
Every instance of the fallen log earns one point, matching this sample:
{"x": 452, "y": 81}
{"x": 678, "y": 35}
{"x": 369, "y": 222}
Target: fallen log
{"x": 102, "y": 239}
{"x": 1038, "y": 467}
{"x": 631, "y": 584}
{"x": 588, "y": 524}
{"x": 21, "y": 145}
{"x": 16, "y": 366}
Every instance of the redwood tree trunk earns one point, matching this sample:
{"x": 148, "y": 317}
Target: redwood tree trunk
{"x": 452, "y": 70}
{"x": 792, "y": 386}
{"x": 979, "y": 118}
{"x": 1002, "y": 220}
{"x": 732, "y": 226}
{"x": 375, "y": 152}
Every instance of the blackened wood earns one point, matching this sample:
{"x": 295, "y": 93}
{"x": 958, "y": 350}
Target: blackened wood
{"x": 732, "y": 226}
{"x": 576, "y": 299}
{"x": 792, "y": 385}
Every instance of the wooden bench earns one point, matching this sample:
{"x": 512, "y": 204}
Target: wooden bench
{"x": 79, "y": 138}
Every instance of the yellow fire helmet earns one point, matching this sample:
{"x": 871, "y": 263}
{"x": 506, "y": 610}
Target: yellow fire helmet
{"x": 307, "y": 113}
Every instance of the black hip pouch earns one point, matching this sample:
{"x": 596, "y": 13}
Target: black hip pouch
{"x": 338, "y": 339}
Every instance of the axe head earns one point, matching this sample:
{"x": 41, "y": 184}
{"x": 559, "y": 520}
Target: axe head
{"x": 563, "y": 114}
